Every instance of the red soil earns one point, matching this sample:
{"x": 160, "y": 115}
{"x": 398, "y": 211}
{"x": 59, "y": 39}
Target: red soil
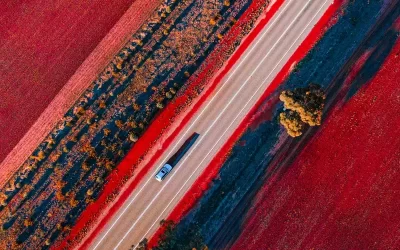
{"x": 48, "y": 52}
{"x": 210, "y": 173}
{"x": 340, "y": 194}
{"x": 42, "y": 45}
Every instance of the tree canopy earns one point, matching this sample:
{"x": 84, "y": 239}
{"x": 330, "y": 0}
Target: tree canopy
{"x": 302, "y": 106}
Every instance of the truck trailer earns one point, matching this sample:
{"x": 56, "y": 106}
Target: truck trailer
{"x": 173, "y": 161}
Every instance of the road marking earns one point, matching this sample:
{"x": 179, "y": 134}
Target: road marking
{"x": 253, "y": 46}
{"x": 192, "y": 150}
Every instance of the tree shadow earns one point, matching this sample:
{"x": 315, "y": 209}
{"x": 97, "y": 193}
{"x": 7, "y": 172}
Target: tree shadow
{"x": 374, "y": 63}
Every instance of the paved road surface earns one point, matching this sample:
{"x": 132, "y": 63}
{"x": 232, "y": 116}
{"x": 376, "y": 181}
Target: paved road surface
{"x": 152, "y": 201}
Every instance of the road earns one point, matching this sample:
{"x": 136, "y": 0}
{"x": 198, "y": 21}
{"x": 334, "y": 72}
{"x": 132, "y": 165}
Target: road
{"x": 215, "y": 121}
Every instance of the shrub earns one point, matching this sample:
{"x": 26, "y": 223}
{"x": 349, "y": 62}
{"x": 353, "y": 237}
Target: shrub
{"x": 143, "y": 245}
{"x": 292, "y": 123}
{"x": 172, "y": 90}
{"x": 73, "y": 202}
{"x": 168, "y": 95}
{"x": 28, "y": 222}
{"x": 307, "y": 102}
{"x": 89, "y": 192}
{"x": 160, "y": 105}
{"x": 133, "y": 137}
{"x": 3, "y": 199}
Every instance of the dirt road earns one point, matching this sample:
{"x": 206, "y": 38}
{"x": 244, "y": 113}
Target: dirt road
{"x": 152, "y": 201}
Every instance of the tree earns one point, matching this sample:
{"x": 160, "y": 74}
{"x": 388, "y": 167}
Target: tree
{"x": 89, "y": 192}
{"x": 160, "y": 105}
{"x": 215, "y": 19}
{"x": 119, "y": 123}
{"x": 292, "y": 123}
{"x": 303, "y": 106}
{"x": 50, "y": 142}
{"x": 3, "y": 199}
{"x": 40, "y": 156}
{"x": 307, "y": 102}
{"x": 85, "y": 167}
{"x": 99, "y": 180}
{"x": 28, "y": 222}
{"x": 60, "y": 196}
{"x": 47, "y": 242}
{"x": 73, "y": 202}
{"x": 106, "y": 131}
{"x": 141, "y": 125}
{"x": 102, "y": 104}
{"x": 168, "y": 95}
{"x": 136, "y": 107}
{"x": 172, "y": 90}
{"x": 66, "y": 228}
{"x": 143, "y": 245}
{"x": 78, "y": 111}
{"x": 133, "y": 137}
{"x": 109, "y": 165}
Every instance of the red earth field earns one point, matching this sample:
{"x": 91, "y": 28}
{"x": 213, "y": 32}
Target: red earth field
{"x": 51, "y": 48}
{"x": 212, "y": 170}
{"x": 342, "y": 190}
{"x": 42, "y": 45}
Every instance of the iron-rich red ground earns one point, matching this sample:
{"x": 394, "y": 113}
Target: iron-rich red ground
{"x": 342, "y": 191}
{"x": 42, "y": 43}
{"x": 202, "y": 183}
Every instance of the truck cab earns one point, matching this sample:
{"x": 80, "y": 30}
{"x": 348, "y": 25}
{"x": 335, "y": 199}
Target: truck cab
{"x": 164, "y": 171}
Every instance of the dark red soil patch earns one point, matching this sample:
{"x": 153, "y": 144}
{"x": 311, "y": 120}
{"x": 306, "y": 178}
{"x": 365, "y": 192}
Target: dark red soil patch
{"x": 342, "y": 190}
{"x": 42, "y": 45}
{"x": 210, "y": 173}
